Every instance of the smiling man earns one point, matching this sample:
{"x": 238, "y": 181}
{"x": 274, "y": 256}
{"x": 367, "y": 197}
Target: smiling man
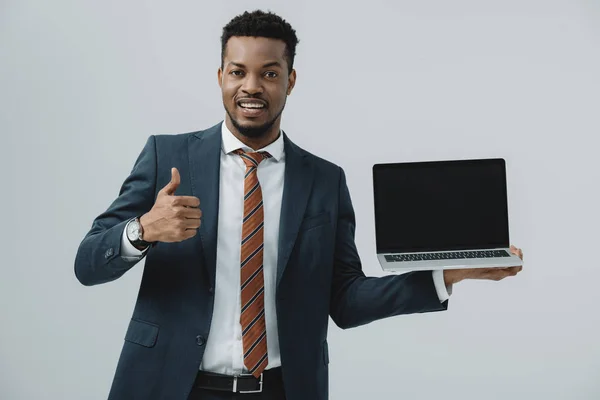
{"x": 249, "y": 246}
{"x": 256, "y": 78}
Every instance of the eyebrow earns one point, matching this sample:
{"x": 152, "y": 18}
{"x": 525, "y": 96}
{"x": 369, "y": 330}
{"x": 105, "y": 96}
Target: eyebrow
{"x": 269, "y": 64}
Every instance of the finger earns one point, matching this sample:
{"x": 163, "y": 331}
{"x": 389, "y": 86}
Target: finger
{"x": 191, "y": 223}
{"x": 183, "y": 213}
{"x": 173, "y": 184}
{"x": 186, "y": 201}
{"x": 190, "y": 233}
{"x": 517, "y": 252}
{"x": 192, "y": 213}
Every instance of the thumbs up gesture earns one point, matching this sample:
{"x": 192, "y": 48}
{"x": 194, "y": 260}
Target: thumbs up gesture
{"x": 172, "y": 218}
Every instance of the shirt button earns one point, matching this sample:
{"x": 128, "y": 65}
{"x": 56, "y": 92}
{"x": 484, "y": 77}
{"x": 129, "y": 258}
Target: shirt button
{"x": 200, "y": 340}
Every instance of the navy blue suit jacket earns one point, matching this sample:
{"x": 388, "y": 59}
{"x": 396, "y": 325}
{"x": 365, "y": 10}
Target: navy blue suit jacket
{"x": 319, "y": 272}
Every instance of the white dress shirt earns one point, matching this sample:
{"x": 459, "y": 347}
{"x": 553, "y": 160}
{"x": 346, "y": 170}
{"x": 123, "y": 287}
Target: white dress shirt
{"x": 224, "y": 347}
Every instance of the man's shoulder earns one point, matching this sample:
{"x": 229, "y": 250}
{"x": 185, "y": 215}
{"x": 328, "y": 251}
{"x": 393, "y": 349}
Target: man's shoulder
{"x": 322, "y": 165}
{"x": 185, "y": 136}
{"x": 163, "y": 138}
{"x": 320, "y": 161}
{"x": 167, "y": 144}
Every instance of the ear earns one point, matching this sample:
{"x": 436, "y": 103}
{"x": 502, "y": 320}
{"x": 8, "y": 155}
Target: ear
{"x": 291, "y": 82}
{"x": 220, "y": 77}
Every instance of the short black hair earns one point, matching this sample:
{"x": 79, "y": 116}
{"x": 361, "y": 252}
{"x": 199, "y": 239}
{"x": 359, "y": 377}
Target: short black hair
{"x": 261, "y": 24}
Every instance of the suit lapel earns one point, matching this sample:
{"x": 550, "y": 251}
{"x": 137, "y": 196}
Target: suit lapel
{"x": 205, "y": 156}
{"x": 296, "y": 190}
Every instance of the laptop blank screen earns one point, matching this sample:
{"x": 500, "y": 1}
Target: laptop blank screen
{"x": 437, "y": 206}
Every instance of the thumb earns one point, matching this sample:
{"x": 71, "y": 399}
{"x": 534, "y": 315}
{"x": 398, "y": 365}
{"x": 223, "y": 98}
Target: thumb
{"x": 174, "y": 183}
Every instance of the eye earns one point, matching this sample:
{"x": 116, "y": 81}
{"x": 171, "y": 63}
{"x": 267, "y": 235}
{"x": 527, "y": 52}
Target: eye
{"x": 271, "y": 74}
{"x": 236, "y": 72}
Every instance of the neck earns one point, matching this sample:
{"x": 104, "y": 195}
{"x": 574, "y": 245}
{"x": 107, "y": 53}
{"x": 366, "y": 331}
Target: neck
{"x": 259, "y": 142}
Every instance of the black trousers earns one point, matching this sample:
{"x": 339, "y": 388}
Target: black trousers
{"x": 272, "y": 390}
{"x": 205, "y": 394}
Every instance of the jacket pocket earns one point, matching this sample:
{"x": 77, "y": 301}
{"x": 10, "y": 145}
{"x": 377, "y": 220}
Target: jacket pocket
{"x": 325, "y": 353}
{"x": 314, "y": 221}
{"x": 142, "y": 333}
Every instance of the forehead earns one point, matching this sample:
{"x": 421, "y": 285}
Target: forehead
{"x": 254, "y": 50}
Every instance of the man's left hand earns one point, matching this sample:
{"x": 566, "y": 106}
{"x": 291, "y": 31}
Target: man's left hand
{"x": 452, "y": 276}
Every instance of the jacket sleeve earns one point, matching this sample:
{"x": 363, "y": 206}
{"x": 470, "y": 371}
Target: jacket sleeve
{"x": 357, "y": 299}
{"x": 98, "y": 258}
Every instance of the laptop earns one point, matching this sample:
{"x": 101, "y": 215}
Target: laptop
{"x": 435, "y": 215}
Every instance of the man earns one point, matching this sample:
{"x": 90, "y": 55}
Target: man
{"x": 249, "y": 246}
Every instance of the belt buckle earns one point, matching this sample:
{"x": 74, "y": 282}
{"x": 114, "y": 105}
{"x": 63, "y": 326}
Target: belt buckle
{"x": 260, "y": 384}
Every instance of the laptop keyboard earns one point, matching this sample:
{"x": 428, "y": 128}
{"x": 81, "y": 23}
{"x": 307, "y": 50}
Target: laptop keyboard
{"x": 454, "y": 255}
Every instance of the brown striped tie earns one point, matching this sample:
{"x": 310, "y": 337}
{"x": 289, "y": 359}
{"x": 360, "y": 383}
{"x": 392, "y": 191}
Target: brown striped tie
{"x": 254, "y": 329}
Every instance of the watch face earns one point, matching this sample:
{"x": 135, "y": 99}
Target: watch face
{"x": 133, "y": 230}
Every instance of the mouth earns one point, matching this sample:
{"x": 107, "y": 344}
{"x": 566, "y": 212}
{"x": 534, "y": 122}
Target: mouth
{"x": 252, "y": 108}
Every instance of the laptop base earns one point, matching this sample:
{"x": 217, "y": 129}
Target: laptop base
{"x": 457, "y": 263}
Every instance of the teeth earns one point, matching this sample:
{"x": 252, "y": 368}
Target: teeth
{"x": 252, "y": 105}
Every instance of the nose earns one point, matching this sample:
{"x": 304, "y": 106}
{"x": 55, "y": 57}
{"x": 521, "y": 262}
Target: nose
{"x": 252, "y": 85}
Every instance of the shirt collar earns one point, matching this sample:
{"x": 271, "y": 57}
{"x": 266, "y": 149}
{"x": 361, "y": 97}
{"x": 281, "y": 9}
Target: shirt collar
{"x": 230, "y": 143}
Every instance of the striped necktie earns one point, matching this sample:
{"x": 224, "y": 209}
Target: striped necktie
{"x": 252, "y": 318}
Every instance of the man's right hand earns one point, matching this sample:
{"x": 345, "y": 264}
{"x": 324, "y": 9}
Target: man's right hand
{"x": 172, "y": 218}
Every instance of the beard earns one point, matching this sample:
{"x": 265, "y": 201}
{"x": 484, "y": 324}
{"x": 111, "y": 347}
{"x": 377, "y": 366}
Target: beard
{"x": 254, "y": 132}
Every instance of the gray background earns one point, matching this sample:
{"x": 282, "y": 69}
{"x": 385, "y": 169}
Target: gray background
{"x": 83, "y": 84}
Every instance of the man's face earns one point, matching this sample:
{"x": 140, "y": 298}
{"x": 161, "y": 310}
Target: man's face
{"x": 255, "y": 83}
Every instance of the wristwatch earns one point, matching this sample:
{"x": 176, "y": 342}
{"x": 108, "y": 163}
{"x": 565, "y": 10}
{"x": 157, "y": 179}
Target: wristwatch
{"x": 135, "y": 234}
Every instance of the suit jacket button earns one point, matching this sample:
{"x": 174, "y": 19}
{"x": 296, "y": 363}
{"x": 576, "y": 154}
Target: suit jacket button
{"x": 108, "y": 253}
{"x": 200, "y": 340}
{"x": 211, "y": 290}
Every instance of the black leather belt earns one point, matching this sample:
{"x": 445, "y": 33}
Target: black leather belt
{"x": 238, "y": 384}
